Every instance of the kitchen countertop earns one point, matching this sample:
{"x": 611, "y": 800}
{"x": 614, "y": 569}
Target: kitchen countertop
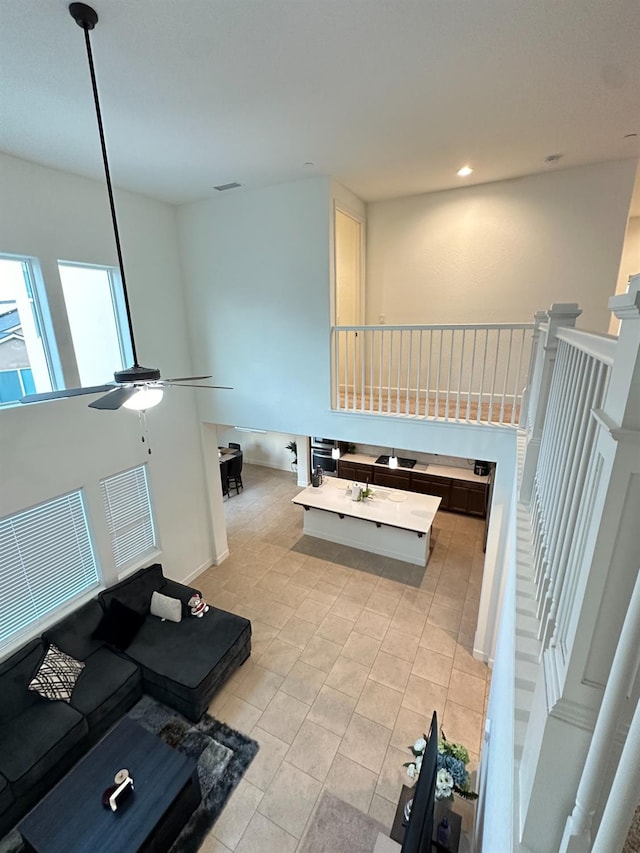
{"x": 414, "y": 512}
{"x": 450, "y": 471}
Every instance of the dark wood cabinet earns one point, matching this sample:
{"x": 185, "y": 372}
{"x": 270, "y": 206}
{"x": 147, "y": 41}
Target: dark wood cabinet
{"x": 394, "y": 479}
{"x": 459, "y": 496}
{"x": 456, "y": 495}
{"x": 356, "y": 471}
{"x": 477, "y": 499}
{"x": 468, "y": 498}
{"x": 426, "y": 484}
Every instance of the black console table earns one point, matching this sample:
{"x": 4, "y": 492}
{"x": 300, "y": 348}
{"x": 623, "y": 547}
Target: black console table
{"x": 441, "y": 810}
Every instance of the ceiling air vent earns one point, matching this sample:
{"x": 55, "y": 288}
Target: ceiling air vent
{"x": 231, "y": 186}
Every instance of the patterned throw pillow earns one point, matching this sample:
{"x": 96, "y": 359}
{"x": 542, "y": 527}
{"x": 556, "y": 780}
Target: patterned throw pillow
{"x": 57, "y": 675}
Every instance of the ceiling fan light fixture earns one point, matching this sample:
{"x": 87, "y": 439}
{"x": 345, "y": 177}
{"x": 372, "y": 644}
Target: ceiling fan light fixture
{"x": 145, "y": 398}
{"x": 137, "y": 374}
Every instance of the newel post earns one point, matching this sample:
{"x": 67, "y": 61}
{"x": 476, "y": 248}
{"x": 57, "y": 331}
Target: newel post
{"x": 560, "y": 314}
{"x": 528, "y": 396}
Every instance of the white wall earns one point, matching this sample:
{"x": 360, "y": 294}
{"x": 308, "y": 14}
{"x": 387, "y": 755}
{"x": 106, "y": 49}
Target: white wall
{"x": 49, "y": 448}
{"x": 268, "y": 449}
{"x": 499, "y": 252}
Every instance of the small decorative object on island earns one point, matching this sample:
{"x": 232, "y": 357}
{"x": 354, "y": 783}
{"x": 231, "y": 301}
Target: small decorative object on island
{"x": 453, "y": 776}
{"x": 365, "y": 493}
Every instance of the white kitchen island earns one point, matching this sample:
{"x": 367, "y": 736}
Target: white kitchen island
{"x": 392, "y": 523}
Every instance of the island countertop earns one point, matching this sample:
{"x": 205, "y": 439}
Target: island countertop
{"x": 391, "y": 507}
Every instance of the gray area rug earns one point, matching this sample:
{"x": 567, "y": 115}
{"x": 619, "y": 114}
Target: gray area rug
{"x": 337, "y": 827}
{"x": 223, "y": 755}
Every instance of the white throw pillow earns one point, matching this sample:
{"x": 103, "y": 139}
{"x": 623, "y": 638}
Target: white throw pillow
{"x": 166, "y": 607}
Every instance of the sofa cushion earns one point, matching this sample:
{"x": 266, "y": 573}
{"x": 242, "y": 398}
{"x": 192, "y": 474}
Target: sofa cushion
{"x": 119, "y": 625}
{"x": 136, "y": 591}
{"x": 6, "y": 797}
{"x": 37, "y": 740}
{"x": 203, "y": 653}
{"x": 73, "y": 634}
{"x": 57, "y": 675}
{"x": 15, "y": 674}
{"x": 108, "y": 686}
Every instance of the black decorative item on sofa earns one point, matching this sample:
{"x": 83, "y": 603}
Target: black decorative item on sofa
{"x": 182, "y": 664}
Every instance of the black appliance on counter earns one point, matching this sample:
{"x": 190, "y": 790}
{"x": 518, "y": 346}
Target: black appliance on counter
{"x": 480, "y": 468}
{"x": 403, "y": 462}
{"x": 321, "y": 455}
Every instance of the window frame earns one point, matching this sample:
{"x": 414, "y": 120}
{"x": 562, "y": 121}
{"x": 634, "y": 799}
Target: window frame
{"x": 39, "y": 303}
{"x": 51, "y": 319}
{"x": 116, "y": 291}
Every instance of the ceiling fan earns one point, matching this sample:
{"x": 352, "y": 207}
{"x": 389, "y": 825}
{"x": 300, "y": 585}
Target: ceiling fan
{"x": 136, "y": 387}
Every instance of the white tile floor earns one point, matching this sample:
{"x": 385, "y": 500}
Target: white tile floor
{"x": 351, "y": 654}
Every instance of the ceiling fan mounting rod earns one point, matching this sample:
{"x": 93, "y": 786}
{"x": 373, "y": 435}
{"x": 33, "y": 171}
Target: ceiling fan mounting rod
{"x": 86, "y": 18}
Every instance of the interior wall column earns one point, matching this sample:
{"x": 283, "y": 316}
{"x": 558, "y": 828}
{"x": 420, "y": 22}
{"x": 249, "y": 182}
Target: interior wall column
{"x": 218, "y": 523}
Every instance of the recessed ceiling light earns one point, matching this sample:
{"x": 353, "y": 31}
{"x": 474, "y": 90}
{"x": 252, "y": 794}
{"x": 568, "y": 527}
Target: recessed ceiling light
{"x": 465, "y": 172}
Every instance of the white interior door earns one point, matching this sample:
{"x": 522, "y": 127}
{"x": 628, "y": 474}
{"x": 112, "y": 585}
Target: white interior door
{"x": 349, "y": 302}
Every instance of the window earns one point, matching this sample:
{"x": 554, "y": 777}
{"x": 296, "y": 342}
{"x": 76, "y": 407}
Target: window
{"x": 46, "y": 560}
{"x": 90, "y": 310}
{"x": 94, "y": 302}
{"x": 26, "y": 363}
{"x": 127, "y": 506}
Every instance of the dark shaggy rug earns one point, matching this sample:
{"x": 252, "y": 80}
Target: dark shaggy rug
{"x": 223, "y": 755}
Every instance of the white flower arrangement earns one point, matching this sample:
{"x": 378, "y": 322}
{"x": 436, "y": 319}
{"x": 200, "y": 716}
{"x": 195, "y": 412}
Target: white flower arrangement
{"x": 453, "y": 776}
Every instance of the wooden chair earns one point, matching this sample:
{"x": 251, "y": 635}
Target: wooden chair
{"x": 234, "y": 474}
{"x": 224, "y": 477}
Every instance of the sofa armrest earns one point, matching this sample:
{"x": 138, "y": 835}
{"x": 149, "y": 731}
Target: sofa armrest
{"x": 183, "y": 593}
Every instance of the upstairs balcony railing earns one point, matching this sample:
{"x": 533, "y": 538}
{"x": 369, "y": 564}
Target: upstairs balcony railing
{"x": 580, "y": 488}
{"x": 474, "y": 374}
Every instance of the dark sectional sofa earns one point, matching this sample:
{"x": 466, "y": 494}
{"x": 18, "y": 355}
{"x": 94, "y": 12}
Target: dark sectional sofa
{"x": 179, "y": 663}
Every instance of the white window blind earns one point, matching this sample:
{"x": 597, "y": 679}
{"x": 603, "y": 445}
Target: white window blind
{"x": 127, "y": 506}
{"x": 46, "y": 559}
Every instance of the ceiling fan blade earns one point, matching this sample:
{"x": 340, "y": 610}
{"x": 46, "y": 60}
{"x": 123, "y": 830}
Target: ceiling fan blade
{"x": 66, "y": 392}
{"x": 115, "y": 398}
{"x": 187, "y": 378}
{"x": 174, "y": 384}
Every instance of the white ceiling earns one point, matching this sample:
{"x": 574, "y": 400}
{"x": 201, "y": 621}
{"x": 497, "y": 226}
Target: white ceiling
{"x": 390, "y": 97}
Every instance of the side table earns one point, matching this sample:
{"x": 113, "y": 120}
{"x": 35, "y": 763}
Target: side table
{"x": 441, "y": 810}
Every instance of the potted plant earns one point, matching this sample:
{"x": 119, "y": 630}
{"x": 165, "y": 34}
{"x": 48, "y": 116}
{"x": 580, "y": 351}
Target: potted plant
{"x": 293, "y": 447}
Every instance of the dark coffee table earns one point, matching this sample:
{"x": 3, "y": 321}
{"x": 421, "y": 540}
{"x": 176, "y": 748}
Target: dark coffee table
{"x": 72, "y": 817}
